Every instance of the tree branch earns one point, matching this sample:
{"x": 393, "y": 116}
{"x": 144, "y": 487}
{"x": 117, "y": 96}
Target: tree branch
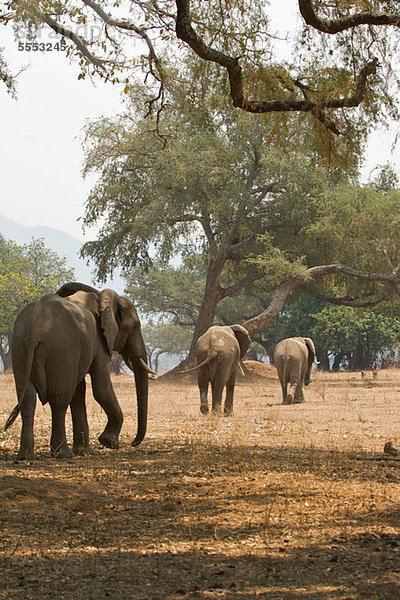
{"x": 187, "y": 34}
{"x": 310, "y": 16}
{"x": 233, "y": 252}
{"x": 121, "y": 24}
{"x": 79, "y": 42}
{"x": 233, "y": 289}
{"x": 260, "y": 321}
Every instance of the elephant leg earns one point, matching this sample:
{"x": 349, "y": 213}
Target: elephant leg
{"x": 104, "y": 394}
{"x": 217, "y": 389}
{"x": 202, "y": 381}
{"x": 230, "y": 388}
{"x": 27, "y": 413}
{"x": 58, "y": 441}
{"x": 291, "y": 392}
{"x": 298, "y": 397}
{"x": 284, "y": 392}
{"x": 79, "y": 420}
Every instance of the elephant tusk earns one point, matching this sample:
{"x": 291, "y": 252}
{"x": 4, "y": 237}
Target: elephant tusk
{"x": 146, "y": 367}
{"x": 240, "y": 369}
{"x": 316, "y": 362}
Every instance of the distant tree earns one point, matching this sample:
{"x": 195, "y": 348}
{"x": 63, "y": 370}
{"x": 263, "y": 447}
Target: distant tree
{"x": 166, "y": 338}
{"x": 353, "y": 338}
{"x": 116, "y": 363}
{"x": 169, "y": 292}
{"x": 26, "y": 273}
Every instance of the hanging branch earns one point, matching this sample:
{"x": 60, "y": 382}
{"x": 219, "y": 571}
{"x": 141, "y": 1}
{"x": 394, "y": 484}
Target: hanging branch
{"x": 260, "y": 321}
{"x": 186, "y": 33}
{"x": 333, "y": 26}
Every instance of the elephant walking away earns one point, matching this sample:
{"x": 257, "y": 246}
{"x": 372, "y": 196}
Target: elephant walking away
{"x": 218, "y": 352}
{"x": 293, "y": 359}
{"x": 56, "y": 342}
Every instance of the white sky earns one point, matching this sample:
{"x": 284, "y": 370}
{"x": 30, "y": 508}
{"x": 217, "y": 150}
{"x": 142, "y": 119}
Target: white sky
{"x": 40, "y": 153}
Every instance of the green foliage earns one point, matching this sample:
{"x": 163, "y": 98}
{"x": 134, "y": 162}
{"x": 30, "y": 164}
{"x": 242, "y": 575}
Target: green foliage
{"x": 360, "y": 222}
{"x": 26, "y": 273}
{"x": 166, "y": 292}
{"x": 275, "y": 264}
{"x": 323, "y": 67}
{"x": 6, "y": 77}
{"x": 344, "y": 331}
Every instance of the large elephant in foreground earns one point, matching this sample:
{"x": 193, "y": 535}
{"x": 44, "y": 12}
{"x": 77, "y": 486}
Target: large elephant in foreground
{"x": 218, "y": 352}
{"x": 56, "y": 342}
{"x": 293, "y": 359}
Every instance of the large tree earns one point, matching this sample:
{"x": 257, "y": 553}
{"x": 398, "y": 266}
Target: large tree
{"x": 213, "y": 189}
{"x": 26, "y": 273}
{"x": 345, "y": 57}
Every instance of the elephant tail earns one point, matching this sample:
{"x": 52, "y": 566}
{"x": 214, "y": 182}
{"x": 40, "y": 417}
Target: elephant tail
{"x": 211, "y": 355}
{"x": 14, "y": 414}
{"x": 21, "y": 389}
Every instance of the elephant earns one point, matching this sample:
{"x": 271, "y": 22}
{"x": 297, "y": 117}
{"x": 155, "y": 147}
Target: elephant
{"x": 218, "y": 352}
{"x": 56, "y": 342}
{"x": 293, "y": 359}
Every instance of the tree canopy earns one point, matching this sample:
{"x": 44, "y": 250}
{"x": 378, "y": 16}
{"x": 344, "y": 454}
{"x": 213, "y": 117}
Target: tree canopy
{"x": 26, "y": 273}
{"x": 344, "y": 57}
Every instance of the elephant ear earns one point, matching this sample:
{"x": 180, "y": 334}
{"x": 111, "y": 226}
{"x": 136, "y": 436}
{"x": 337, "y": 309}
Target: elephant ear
{"x": 311, "y": 348}
{"x": 311, "y": 355}
{"x": 242, "y": 336}
{"x": 68, "y": 289}
{"x": 109, "y": 306}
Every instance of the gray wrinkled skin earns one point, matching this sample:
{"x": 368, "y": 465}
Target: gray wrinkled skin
{"x": 293, "y": 359}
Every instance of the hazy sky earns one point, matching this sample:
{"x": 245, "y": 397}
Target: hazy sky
{"x": 40, "y": 150}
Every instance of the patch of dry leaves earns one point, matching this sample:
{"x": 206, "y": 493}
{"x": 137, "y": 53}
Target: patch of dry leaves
{"x": 276, "y": 502}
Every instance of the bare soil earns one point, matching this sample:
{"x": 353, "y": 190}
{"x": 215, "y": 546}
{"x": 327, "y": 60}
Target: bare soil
{"x": 276, "y": 502}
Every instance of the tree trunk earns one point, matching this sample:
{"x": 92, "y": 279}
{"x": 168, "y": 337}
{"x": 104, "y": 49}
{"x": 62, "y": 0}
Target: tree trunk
{"x": 323, "y": 358}
{"x": 360, "y": 360}
{"x": 337, "y": 361}
{"x": 212, "y": 295}
{"x": 116, "y": 363}
{"x": 5, "y": 356}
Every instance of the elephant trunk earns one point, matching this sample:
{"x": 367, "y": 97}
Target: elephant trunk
{"x": 142, "y": 386}
{"x": 134, "y": 352}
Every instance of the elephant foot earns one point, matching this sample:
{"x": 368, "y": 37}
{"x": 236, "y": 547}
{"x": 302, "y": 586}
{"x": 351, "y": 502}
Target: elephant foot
{"x": 61, "y": 452}
{"x": 204, "y": 409}
{"x": 297, "y": 400}
{"x": 109, "y": 441}
{"x": 289, "y": 398}
{"x": 25, "y": 454}
{"x": 228, "y": 412}
{"x": 82, "y": 450}
{"x": 307, "y": 381}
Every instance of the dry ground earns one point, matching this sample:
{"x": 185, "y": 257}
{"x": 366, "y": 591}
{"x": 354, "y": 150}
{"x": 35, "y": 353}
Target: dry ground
{"x": 276, "y": 502}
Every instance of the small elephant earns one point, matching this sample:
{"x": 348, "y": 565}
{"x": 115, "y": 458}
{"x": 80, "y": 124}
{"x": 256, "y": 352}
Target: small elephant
{"x": 56, "y": 342}
{"x": 293, "y": 359}
{"x": 218, "y": 352}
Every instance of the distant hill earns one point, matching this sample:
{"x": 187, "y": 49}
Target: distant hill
{"x": 59, "y": 241}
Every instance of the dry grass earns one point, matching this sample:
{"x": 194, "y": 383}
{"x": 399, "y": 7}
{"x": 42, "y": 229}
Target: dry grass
{"x": 276, "y": 502}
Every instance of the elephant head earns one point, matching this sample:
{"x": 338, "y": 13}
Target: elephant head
{"x": 242, "y": 336}
{"x": 120, "y": 325}
{"x": 311, "y": 356}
